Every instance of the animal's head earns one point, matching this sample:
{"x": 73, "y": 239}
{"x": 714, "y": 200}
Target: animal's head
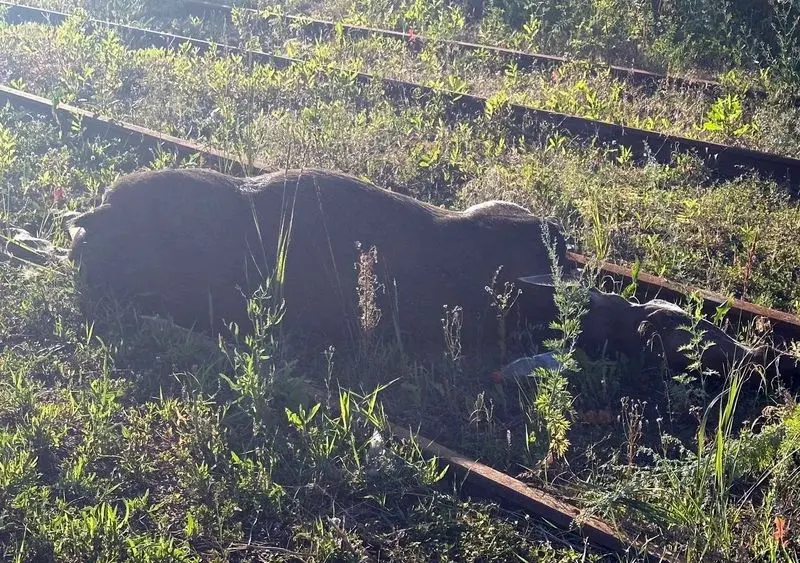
{"x": 111, "y": 251}
{"x": 158, "y": 233}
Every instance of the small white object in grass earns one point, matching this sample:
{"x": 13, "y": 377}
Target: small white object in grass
{"x": 376, "y": 444}
{"x": 526, "y": 366}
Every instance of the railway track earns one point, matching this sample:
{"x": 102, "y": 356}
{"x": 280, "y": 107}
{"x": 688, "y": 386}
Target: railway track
{"x": 480, "y": 478}
{"x": 146, "y": 141}
{"x": 522, "y": 59}
{"x": 726, "y": 161}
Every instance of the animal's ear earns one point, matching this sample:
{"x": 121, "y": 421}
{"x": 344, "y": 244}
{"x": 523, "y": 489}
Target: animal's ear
{"x": 91, "y": 219}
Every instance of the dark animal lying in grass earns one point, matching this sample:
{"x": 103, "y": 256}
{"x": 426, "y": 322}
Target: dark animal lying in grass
{"x": 190, "y": 243}
{"x": 664, "y": 327}
{"x": 183, "y": 241}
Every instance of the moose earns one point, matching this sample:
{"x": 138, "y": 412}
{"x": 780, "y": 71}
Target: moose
{"x": 194, "y": 244}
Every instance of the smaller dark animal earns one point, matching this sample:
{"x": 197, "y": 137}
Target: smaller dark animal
{"x": 615, "y": 324}
{"x": 661, "y": 326}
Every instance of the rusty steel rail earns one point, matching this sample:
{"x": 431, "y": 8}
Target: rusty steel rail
{"x": 524, "y": 60}
{"x": 147, "y": 141}
{"x": 514, "y": 492}
{"x": 727, "y": 162}
{"x": 501, "y": 487}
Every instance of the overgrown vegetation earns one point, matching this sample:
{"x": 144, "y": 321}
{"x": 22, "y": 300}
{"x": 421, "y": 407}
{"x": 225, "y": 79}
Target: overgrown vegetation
{"x": 132, "y": 439}
{"x": 696, "y": 37}
{"x": 578, "y": 88}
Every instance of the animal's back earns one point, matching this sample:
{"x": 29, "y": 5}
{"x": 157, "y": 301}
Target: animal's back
{"x": 174, "y": 187}
{"x": 327, "y": 214}
{"x": 430, "y": 256}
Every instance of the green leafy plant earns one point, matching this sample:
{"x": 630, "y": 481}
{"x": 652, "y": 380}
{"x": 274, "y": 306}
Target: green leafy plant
{"x": 551, "y": 407}
{"x": 726, "y": 116}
